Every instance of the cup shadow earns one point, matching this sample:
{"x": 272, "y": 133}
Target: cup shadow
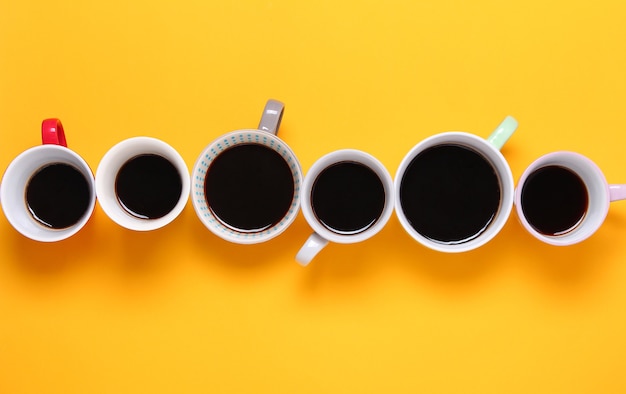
{"x": 138, "y": 254}
{"x": 451, "y": 270}
{"x": 573, "y": 267}
{"x": 42, "y": 260}
{"x": 344, "y": 264}
{"x": 395, "y": 252}
{"x": 240, "y": 259}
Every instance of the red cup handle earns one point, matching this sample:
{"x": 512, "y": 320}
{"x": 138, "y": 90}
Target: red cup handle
{"x": 52, "y": 132}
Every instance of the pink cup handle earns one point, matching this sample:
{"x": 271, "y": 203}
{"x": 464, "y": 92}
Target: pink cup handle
{"x": 52, "y": 132}
{"x": 617, "y": 192}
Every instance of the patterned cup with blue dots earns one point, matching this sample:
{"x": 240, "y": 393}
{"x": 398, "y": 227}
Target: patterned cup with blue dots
{"x": 233, "y": 184}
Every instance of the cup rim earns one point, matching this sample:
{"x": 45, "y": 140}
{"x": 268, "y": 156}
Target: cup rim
{"x": 110, "y": 165}
{"x": 556, "y": 158}
{"x": 339, "y": 156}
{"x": 199, "y": 171}
{"x": 497, "y": 161}
{"x": 13, "y": 216}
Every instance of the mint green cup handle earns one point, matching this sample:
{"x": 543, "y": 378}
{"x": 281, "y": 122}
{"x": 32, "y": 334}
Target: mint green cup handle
{"x": 503, "y": 132}
{"x": 272, "y": 115}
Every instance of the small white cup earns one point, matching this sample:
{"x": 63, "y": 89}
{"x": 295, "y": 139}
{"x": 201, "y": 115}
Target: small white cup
{"x": 489, "y": 149}
{"x": 599, "y": 196}
{"x": 21, "y": 170}
{"x": 323, "y": 233}
{"x": 111, "y": 164}
{"x": 264, "y": 136}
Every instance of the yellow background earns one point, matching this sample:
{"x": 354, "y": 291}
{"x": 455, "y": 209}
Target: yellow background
{"x": 180, "y": 311}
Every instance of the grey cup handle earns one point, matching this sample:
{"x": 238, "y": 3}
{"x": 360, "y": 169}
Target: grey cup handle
{"x": 272, "y": 115}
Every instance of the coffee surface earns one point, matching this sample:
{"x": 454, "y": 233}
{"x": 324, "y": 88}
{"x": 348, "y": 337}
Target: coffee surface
{"x": 450, "y": 193}
{"x": 348, "y": 197}
{"x": 58, "y": 195}
{"x": 148, "y": 186}
{"x": 554, "y": 200}
{"x": 249, "y": 187}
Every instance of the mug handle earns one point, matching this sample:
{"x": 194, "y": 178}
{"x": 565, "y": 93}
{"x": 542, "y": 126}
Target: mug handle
{"x": 617, "y": 192}
{"x": 52, "y": 132}
{"x": 310, "y": 249}
{"x": 503, "y": 132}
{"x": 272, "y": 115}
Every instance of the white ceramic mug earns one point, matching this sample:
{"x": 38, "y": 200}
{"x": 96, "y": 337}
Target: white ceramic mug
{"x": 235, "y": 182}
{"x": 108, "y": 178}
{"x": 347, "y": 197}
{"x": 20, "y": 176}
{"x": 464, "y": 191}
{"x": 558, "y": 198}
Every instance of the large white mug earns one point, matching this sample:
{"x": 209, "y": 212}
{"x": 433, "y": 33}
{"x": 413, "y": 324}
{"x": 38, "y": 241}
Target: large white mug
{"x": 245, "y": 185}
{"x": 48, "y": 191}
{"x": 454, "y": 190}
{"x": 142, "y": 183}
{"x": 347, "y": 197}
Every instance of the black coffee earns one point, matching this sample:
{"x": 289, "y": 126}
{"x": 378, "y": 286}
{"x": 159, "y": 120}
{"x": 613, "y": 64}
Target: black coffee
{"x": 554, "y": 200}
{"x": 148, "y": 186}
{"x": 249, "y": 187}
{"x": 450, "y": 193}
{"x": 58, "y": 195}
{"x": 348, "y": 197}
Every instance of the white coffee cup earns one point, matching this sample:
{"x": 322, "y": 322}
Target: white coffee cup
{"x": 350, "y": 208}
{"x": 599, "y": 195}
{"x": 20, "y": 172}
{"x": 257, "y": 198}
{"x": 489, "y": 150}
{"x": 107, "y": 177}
